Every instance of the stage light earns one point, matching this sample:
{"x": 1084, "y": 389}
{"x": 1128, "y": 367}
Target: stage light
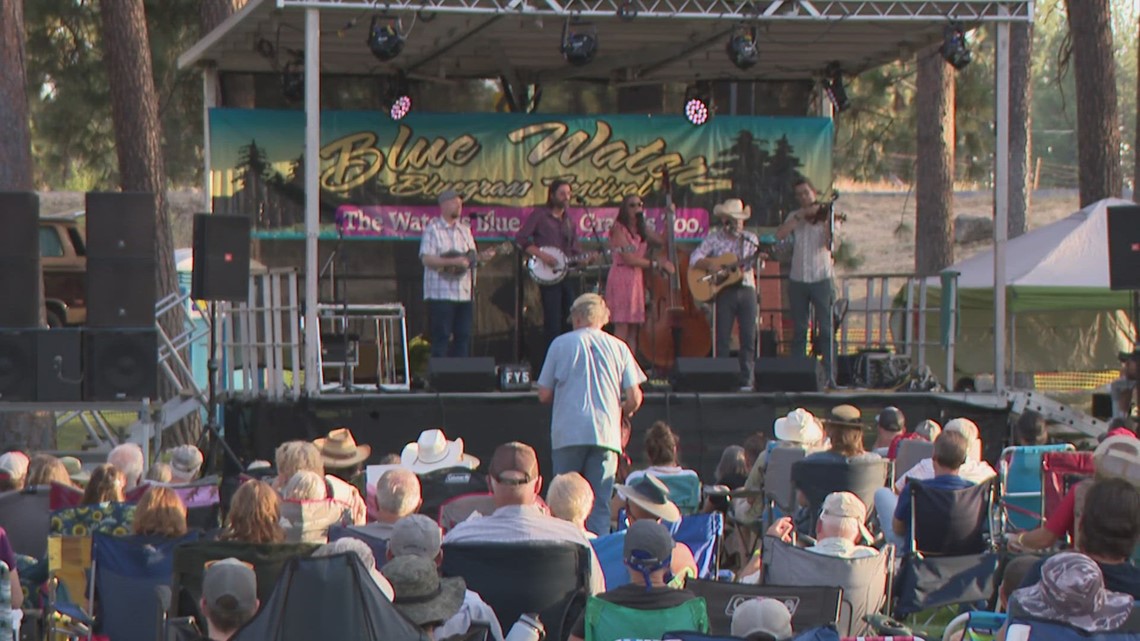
{"x": 742, "y": 51}
{"x": 579, "y": 47}
{"x": 400, "y": 106}
{"x": 398, "y": 96}
{"x": 293, "y": 80}
{"x": 384, "y": 39}
{"x": 955, "y": 48}
{"x": 833, "y": 85}
{"x": 697, "y": 106}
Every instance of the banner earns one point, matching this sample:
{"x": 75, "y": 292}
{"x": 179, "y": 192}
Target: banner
{"x": 380, "y": 178}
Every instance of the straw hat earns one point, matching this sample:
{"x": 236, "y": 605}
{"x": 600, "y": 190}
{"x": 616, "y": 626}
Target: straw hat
{"x": 733, "y": 208}
{"x": 339, "y": 450}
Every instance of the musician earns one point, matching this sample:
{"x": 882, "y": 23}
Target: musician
{"x": 625, "y": 285}
{"x": 735, "y": 303}
{"x": 809, "y": 282}
{"x": 448, "y": 282}
{"x": 551, "y": 226}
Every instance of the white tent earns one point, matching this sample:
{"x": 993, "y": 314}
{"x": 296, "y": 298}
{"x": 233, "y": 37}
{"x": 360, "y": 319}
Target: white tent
{"x": 1062, "y": 314}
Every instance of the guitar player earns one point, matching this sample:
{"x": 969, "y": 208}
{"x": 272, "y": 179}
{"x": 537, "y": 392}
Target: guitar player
{"x": 735, "y": 303}
{"x": 449, "y": 282}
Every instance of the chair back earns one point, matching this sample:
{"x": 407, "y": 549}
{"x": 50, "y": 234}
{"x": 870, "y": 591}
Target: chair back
{"x": 439, "y": 486}
{"x": 864, "y": 580}
{"x": 810, "y": 607}
{"x": 108, "y": 518}
{"x": 702, "y": 533}
{"x": 1020, "y": 483}
{"x": 309, "y": 521}
{"x": 549, "y": 578}
{"x": 127, "y": 570}
{"x": 1059, "y": 472}
{"x": 26, "y": 516}
{"x": 778, "y": 486}
{"x": 949, "y": 522}
{"x": 69, "y": 561}
{"x": 203, "y": 504}
{"x": 684, "y": 491}
{"x": 926, "y": 582}
{"x": 817, "y": 478}
{"x": 910, "y": 452}
{"x": 456, "y": 510}
{"x": 605, "y": 621}
{"x": 379, "y": 546}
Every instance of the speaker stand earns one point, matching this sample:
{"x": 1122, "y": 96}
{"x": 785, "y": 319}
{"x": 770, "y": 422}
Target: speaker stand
{"x": 213, "y": 429}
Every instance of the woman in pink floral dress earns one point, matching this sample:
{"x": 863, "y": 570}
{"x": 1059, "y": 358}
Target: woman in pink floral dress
{"x": 625, "y": 286}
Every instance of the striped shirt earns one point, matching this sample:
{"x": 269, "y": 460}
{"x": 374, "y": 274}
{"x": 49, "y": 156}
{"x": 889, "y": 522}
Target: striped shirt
{"x": 811, "y": 259}
{"x": 440, "y": 237}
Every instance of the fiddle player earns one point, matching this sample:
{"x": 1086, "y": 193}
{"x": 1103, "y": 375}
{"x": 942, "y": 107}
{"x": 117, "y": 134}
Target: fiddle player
{"x": 625, "y": 285}
{"x": 550, "y": 226}
{"x": 448, "y": 295}
{"x": 735, "y": 303}
{"x": 809, "y": 281}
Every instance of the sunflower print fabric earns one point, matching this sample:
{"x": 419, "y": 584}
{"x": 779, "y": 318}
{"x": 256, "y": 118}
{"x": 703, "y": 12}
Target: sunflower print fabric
{"x": 107, "y": 518}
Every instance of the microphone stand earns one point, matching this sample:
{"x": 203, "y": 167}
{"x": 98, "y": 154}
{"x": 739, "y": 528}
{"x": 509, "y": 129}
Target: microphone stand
{"x": 601, "y": 248}
{"x": 473, "y": 217}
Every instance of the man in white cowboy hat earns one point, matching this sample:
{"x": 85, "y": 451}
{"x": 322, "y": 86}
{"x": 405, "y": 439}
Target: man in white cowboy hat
{"x": 433, "y": 451}
{"x": 799, "y": 429}
{"x": 736, "y": 303}
{"x": 809, "y": 280}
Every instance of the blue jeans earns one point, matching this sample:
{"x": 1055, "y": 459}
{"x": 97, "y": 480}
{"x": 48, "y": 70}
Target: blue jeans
{"x": 738, "y": 303}
{"x": 450, "y": 328}
{"x": 598, "y": 466}
{"x": 556, "y": 302}
{"x": 817, "y": 296}
{"x": 885, "y": 502}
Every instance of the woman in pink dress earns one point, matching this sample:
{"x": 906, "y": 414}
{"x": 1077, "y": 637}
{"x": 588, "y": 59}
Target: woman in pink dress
{"x": 625, "y": 286}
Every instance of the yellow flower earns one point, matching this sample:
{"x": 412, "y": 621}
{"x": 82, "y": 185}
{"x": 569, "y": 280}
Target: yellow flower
{"x": 79, "y": 530}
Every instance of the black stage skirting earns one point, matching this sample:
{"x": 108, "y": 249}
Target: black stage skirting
{"x": 706, "y": 423}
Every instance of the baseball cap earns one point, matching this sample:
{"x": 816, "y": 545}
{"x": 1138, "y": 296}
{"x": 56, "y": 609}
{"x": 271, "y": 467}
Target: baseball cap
{"x": 648, "y": 545}
{"x": 415, "y": 534}
{"x": 14, "y": 464}
{"x": 229, "y": 585}
{"x": 762, "y": 616}
{"x": 847, "y": 505}
{"x": 447, "y": 195}
{"x": 514, "y": 457}
{"x": 891, "y": 419}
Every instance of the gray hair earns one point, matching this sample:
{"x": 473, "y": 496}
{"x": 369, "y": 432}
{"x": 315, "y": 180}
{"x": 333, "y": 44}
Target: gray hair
{"x": 305, "y": 485}
{"x": 128, "y": 459}
{"x": 398, "y": 492}
{"x": 570, "y": 498}
{"x": 844, "y": 527}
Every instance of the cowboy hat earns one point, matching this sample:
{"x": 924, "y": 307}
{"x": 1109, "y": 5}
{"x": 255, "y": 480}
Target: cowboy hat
{"x": 432, "y": 451}
{"x": 651, "y": 495}
{"x": 799, "y": 426}
{"x": 733, "y": 208}
{"x": 339, "y": 450}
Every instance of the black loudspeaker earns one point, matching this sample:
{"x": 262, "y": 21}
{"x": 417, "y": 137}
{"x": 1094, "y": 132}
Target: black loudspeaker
{"x": 19, "y": 259}
{"x": 18, "y": 365}
{"x": 120, "y": 260}
{"x": 120, "y": 365}
{"x": 221, "y": 258}
{"x": 463, "y": 374}
{"x": 706, "y": 375}
{"x": 59, "y": 365}
{"x": 1124, "y": 247}
{"x": 789, "y": 374}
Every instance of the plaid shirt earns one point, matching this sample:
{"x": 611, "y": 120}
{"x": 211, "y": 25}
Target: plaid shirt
{"x": 719, "y": 243}
{"x": 440, "y": 237}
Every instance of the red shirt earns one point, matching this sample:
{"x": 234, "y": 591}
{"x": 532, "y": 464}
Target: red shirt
{"x": 893, "y": 448}
{"x": 1061, "y": 522}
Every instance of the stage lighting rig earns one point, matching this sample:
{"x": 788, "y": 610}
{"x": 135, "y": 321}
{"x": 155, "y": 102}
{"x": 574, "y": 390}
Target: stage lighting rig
{"x": 833, "y": 85}
{"x": 579, "y": 44}
{"x": 955, "y": 47}
{"x": 698, "y": 105}
{"x": 399, "y": 97}
{"x": 385, "y": 39}
{"x": 742, "y": 49}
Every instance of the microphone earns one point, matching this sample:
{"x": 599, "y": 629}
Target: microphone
{"x": 475, "y": 214}
{"x": 581, "y": 200}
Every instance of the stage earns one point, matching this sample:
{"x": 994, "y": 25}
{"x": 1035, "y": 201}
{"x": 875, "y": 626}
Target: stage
{"x": 706, "y": 423}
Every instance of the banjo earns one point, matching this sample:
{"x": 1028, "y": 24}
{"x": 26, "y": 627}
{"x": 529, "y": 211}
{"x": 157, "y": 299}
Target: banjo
{"x": 564, "y": 265}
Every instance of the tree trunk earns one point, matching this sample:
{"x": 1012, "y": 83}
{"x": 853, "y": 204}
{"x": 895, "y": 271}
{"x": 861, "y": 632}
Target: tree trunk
{"x": 23, "y": 430}
{"x": 1098, "y": 133}
{"x": 138, "y": 144}
{"x": 237, "y": 88}
{"x": 934, "y": 170}
{"x": 1020, "y": 126}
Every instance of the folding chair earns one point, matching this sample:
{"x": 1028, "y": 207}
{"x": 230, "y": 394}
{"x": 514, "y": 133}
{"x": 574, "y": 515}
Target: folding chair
{"x": 974, "y": 626}
{"x": 866, "y": 582}
{"x": 457, "y": 509}
{"x": 549, "y": 578}
{"x": 700, "y": 532}
{"x": 108, "y": 518}
{"x": 1059, "y": 472}
{"x": 1019, "y": 486}
{"x": 910, "y": 452}
{"x": 817, "y": 478}
{"x": 379, "y": 546}
{"x": 203, "y": 504}
{"x": 439, "y": 486}
{"x": 126, "y": 571}
{"x": 779, "y": 491}
{"x": 810, "y": 607}
{"x": 67, "y": 608}
{"x": 684, "y": 492}
{"x": 605, "y": 621}
{"x": 25, "y": 516}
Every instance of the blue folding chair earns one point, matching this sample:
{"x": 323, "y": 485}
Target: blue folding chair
{"x": 379, "y": 546}
{"x": 1020, "y": 485}
{"x": 127, "y": 571}
{"x": 701, "y": 532}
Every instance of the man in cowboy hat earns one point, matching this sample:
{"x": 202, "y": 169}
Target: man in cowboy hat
{"x": 341, "y": 455}
{"x": 736, "y": 303}
{"x": 809, "y": 281}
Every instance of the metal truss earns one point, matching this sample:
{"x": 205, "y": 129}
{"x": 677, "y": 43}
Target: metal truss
{"x": 967, "y": 11}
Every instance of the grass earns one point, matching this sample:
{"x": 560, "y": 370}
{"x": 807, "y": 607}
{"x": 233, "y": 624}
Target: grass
{"x": 72, "y": 435}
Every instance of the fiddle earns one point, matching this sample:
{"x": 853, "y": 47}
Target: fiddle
{"x": 823, "y": 211}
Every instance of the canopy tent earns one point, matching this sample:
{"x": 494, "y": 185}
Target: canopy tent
{"x": 1062, "y": 314}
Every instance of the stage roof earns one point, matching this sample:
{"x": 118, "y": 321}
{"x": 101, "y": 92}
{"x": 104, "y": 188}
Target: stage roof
{"x": 667, "y": 41}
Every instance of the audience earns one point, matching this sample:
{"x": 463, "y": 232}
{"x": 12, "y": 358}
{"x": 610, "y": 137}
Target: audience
{"x": 975, "y": 469}
{"x": 840, "y": 530}
{"x": 799, "y": 429}
{"x": 295, "y": 456}
{"x": 306, "y": 514}
{"x": 928, "y": 430}
{"x": 571, "y": 498}
{"x": 160, "y": 473}
{"x": 229, "y": 597}
{"x": 890, "y": 429}
{"x": 1029, "y": 429}
{"x": 648, "y": 500}
{"x": 160, "y": 513}
{"x": 845, "y": 431}
{"x": 754, "y": 446}
{"x": 949, "y": 456}
{"x": 304, "y": 486}
{"x": 13, "y": 471}
{"x": 349, "y": 545}
{"x": 397, "y": 496}
{"x": 661, "y": 448}
{"x": 45, "y": 469}
{"x": 185, "y": 463}
{"x": 128, "y": 459}
{"x": 732, "y": 469}
{"x": 1071, "y": 591}
{"x": 341, "y": 456}
{"x": 254, "y": 516}
{"x": 421, "y": 595}
{"x": 105, "y": 486}
{"x": 762, "y": 619}
{"x": 8, "y": 556}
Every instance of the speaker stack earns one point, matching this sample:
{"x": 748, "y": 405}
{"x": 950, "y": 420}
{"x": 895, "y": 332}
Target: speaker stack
{"x": 1124, "y": 247}
{"x": 19, "y": 315}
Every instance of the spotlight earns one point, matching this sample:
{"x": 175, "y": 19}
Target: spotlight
{"x": 384, "y": 39}
{"x": 579, "y": 47}
{"x": 399, "y": 97}
{"x": 400, "y": 106}
{"x": 742, "y": 49}
{"x": 293, "y": 80}
{"x": 697, "y": 109}
{"x": 833, "y": 85}
{"x": 955, "y": 48}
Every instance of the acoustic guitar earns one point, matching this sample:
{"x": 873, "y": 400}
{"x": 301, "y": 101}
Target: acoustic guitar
{"x": 726, "y": 271}
{"x": 474, "y": 259}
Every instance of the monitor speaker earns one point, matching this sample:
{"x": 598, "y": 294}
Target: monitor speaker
{"x": 120, "y": 225}
{"x": 476, "y": 374}
{"x": 706, "y": 375}
{"x": 120, "y": 364}
{"x": 221, "y": 258}
{"x": 789, "y": 374}
{"x": 17, "y": 365}
{"x": 19, "y": 259}
{"x": 1124, "y": 247}
{"x": 59, "y": 365}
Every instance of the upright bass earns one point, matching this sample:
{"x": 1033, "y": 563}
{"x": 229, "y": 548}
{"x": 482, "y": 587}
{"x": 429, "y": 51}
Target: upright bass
{"x": 674, "y": 325}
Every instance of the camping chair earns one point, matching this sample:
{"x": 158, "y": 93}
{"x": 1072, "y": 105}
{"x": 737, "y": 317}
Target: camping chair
{"x": 84, "y": 520}
{"x": 950, "y": 559}
{"x": 379, "y": 546}
{"x": 1019, "y": 486}
{"x": 126, "y": 571}
{"x": 439, "y": 486}
{"x": 63, "y": 496}
{"x": 549, "y": 578}
{"x": 309, "y": 521}
{"x": 67, "y": 607}
{"x": 24, "y": 515}
{"x": 327, "y": 598}
{"x": 779, "y": 492}
{"x": 684, "y": 492}
{"x": 818, "y": 478}
{"x": 974, "y": 626}
{"x": 605, "y": 621}
{"x": 910, "y": 452}
{"x": 701, "y": 532}
{"x": 866, "y": 582}
{"x": 203, "y": 504}
{"x": 457, "y": 509}
{"x": 810, "y": 607}
{"x": 1059, "y": 472}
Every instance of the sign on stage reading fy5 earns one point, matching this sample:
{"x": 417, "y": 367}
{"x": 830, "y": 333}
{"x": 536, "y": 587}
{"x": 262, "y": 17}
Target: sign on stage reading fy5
{"x": 380, "y": 178}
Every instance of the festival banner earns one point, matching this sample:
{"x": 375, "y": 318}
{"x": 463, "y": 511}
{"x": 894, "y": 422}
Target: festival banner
{"x": 380, "y": 178}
